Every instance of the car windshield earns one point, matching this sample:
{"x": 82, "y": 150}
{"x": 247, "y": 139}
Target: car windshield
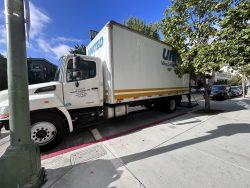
{"x": 218, "y": 87}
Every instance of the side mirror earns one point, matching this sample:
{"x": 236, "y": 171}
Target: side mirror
{"x": 76, "y": 60}
{"x": 76, "y": 72}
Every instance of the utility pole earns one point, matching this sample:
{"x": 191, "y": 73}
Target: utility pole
{"x": 20, "y": 166}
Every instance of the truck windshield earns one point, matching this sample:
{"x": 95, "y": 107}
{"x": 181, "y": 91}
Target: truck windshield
{"x": 58, "y": 75}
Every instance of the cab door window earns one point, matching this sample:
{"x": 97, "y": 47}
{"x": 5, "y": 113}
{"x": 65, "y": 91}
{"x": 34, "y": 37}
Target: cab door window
{"x": 85, "y": 70}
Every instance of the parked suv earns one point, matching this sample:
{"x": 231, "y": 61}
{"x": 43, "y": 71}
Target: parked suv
{"x": 241, "y": 90}
{"x": 220, "y": 92}
{"x": 235, "y": 91}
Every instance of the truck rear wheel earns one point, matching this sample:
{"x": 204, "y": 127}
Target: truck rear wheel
{"x": 47, "y": 130}
{"x": 148, "y": 105}
{"x": 169, "y": 105}
{"x": 172, "y": 105}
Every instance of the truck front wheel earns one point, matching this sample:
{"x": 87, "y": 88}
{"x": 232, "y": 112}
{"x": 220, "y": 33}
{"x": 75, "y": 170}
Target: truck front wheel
{"x": 47, "y": 130}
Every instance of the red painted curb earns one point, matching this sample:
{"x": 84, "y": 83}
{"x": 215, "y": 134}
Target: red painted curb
{"x": 60, "y": 152}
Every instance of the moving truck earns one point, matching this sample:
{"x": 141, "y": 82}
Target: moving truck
{"x": 122, "y": 68}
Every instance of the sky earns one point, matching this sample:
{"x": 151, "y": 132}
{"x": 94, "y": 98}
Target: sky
{"x": 57, "y": 25}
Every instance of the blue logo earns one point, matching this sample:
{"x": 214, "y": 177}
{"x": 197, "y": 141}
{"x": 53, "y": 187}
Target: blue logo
{"x": 96, "y": 46}
{"x": 169, "y": 58}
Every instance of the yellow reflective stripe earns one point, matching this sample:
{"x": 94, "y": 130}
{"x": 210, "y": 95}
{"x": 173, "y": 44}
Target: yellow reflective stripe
{"x": 130, "y": 93}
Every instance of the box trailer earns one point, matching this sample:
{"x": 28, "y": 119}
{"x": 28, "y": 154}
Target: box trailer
{"x": 135, "y": 67}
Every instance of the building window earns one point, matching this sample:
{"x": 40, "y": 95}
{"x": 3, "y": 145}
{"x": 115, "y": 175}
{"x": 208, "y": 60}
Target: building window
{"x": 36, "y": 67}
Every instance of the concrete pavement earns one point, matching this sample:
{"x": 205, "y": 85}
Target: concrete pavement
{"x": 191, "y": 150}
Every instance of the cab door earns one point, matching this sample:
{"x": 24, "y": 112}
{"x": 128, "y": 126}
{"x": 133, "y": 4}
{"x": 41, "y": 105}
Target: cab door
{"x": 83, "y": 90}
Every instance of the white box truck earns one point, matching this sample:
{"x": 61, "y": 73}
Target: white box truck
{"x": 122, "y": 68}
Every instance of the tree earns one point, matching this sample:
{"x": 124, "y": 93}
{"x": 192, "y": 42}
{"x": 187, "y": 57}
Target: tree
{"x": 141, "y": 26}
{"x": 234, "y": 38}
{"x": 190, "y": 27}
{"x": 78, "y": 49}
{"x": 235, "y": 80}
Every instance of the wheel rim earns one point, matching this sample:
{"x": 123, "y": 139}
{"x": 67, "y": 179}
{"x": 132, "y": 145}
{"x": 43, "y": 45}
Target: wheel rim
{"x": 43, "y": 132}
{"x": 172, "y": 104}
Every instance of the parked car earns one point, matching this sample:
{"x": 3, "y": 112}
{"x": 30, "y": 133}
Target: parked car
{"x": 193, "y": 89}
{"x": 220, "y": 92}
{"x": 235, "y": 91}
{"x": 200, "y": 90}
{"x": 240, "y": 90}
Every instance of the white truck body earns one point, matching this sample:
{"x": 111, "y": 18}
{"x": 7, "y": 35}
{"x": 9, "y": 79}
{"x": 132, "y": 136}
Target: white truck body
{"x": 134, "y": 67}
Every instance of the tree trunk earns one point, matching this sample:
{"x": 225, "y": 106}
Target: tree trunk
{"x": 206, "y": 96}
{"x": 189, "y": 94}
{"x": 243, "y": 85}
{"x": 207, "y": 100}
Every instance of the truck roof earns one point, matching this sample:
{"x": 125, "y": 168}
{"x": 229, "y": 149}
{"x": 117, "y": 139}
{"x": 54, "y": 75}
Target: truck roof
{"x": 112, "y": 22}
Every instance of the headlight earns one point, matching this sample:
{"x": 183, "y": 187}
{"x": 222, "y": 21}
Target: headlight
{"x": 4, "y": 112}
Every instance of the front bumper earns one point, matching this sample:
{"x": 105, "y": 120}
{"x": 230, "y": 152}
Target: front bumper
{"x": 217, "y": 95}
{"x": 5, "y": 124}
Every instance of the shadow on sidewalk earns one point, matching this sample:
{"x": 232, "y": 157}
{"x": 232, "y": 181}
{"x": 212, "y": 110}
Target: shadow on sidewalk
{"x": 3, "y": 135}
{"x": 224, "y": 130}
{"x": 101, "y": 173}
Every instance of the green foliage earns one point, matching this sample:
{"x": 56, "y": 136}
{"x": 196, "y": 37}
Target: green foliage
{"x": 234, "y": 37}
{"x": 235, "y": 80}
{"x": 190, "y": 27}
{"x": 221, "y": 82}
{"x": 247, "y": 70}
{"x": 78, "y": 49}
{"x": 141, "y": 26}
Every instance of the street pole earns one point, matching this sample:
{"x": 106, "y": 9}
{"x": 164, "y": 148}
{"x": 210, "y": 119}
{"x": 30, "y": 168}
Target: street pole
{"x": 20, "y": 166}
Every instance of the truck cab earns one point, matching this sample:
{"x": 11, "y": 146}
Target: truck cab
{"x": 82, "y": 81}
{"x": 76, "y": 92}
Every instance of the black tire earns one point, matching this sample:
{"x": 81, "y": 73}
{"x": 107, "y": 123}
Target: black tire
{"x": 178, "y": 100}
{"x": 52, "y": 119}
{"x": 149, "y": 106}
{"x": 166, "y": 106}
{"x": 171, "y": 109}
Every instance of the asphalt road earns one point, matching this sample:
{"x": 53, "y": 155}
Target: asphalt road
{"x": 138, "y": 118}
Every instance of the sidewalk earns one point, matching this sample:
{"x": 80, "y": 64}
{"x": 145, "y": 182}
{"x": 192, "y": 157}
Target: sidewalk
{"x": 192, "y": 150}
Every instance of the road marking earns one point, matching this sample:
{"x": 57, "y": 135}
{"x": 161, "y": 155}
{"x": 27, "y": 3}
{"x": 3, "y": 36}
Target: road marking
{"x": 243, "y": 104}
{"x": 96, "y": 134}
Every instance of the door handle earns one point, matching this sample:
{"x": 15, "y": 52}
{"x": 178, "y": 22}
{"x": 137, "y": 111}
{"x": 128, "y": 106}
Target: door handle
{"x": 94, "y": 88}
